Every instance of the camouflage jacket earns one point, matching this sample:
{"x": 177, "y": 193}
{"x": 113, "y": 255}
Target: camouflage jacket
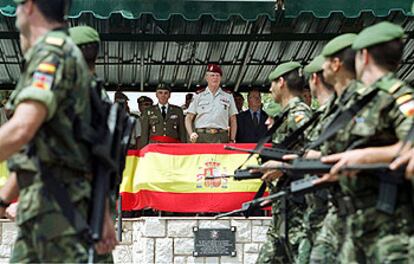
{"x": 385, "y": 120}
{"x": 56, "y": 76}
{"x": 299, "y": 114}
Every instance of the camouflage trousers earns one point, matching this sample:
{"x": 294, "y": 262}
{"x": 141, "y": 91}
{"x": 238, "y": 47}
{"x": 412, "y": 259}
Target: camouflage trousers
{"x": 375, "y": 237}
{"x": 275, "y": 250}
{"x": 329, "y": 239}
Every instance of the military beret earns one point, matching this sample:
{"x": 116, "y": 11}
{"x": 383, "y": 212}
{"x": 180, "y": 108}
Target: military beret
{"x": 378, "y": 33}
{"x": 338, "y": 43}
{"x": 19, "y": 1}
{"x": 214, "y": 68}
{"x": 83, "y": 35}
{"x": 315, "y": 65}
{"x": 163, "y": 87}
{"x": 283, "y": 68}
{"x": 143, "y": 99}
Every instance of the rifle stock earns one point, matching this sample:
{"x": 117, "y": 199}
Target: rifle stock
{"x": 271, "y": 153}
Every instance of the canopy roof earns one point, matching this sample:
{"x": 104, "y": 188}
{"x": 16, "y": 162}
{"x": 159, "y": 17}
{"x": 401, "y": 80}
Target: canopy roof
{"x": 148, "y": 42}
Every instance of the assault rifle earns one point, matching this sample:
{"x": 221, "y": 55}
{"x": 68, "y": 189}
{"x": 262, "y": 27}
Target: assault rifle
{"x": 389, "y": 181}
{"x": 270, "y": 153}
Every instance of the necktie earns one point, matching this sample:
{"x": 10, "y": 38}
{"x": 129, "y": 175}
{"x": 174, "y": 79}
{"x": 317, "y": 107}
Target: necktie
{"x": 255, "y": 119}
{"x": 164, "y": 114}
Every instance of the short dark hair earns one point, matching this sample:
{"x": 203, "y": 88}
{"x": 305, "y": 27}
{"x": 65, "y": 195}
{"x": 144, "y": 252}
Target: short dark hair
{"x": 295, "y": 82}
{"x": 238, "y": 94}
{"x": 323, "y": 81}
{"x": 90, "y": 53}
{"x": 387, "y": 55}
{"x": 347, "y": 57}
{"x": 54, "y": 11}
{"x": 252, "y": 90}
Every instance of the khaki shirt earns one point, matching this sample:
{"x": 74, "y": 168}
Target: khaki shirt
{"x": 212, "y": 111}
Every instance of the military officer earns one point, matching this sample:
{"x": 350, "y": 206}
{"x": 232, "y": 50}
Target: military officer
{"x": 163, "y": 122}
{"x": 144, "y": 102}
{"x": 286, "y": 88}
{"x": 55, "y": 79}
{"x": 213, "y": 112}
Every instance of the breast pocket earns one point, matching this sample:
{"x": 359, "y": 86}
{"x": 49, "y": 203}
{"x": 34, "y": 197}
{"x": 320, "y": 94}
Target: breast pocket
{"x": 225, "y": 105}
{"x": 364, "y": 125}
{"x": 204, "y": 106}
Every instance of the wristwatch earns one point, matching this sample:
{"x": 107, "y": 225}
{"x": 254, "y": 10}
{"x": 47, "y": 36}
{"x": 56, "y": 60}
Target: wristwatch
{"x": 3, "y": 203}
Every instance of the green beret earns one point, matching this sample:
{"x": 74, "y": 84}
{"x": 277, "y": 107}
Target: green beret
{"x": 83, "y": 35}
{"x": 19, "y": 1}
{"x": 338, "y": 43}
{"x": 315, "y": 65}
{"x": 378, "y": 33}
{"x": 283, "y": 68}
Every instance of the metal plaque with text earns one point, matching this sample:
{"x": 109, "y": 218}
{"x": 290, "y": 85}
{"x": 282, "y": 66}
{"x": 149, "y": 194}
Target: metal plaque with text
{"x": 214, "y": 242}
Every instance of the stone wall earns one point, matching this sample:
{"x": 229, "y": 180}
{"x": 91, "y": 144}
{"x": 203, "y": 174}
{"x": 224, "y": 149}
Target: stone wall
{"x": 169, "y": 240}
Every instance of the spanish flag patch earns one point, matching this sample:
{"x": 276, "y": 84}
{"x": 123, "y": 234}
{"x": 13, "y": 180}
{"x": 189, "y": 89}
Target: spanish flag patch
{"x": 298, "y": 118}
{"x": 42, "y": 81}
{"x": 407, "y": 108}
{"x": 46, "y": 68}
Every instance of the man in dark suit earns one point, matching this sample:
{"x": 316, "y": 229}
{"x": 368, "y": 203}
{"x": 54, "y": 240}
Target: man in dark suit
{"x": 251, "y": 123}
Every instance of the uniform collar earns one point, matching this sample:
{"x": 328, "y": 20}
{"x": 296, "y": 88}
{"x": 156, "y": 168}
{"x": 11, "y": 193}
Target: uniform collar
{"x": 292, "y": 103}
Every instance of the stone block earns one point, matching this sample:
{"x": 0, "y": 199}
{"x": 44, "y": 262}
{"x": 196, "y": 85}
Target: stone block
{"x": 259, "y": 233}
{"x": 214, "y": 223}
{"x": 181, "y": 228}
{"x": 154, "y": 227}
{"x": 122, "y": 254}
{"x": 137, "y": 230}
{"x": 257, "y": 222}
{"x": 5, "y": 251}
{"x": 211, "y": 260}
{"x": 148, "y": 252}
{"x": 126, "y": 233}
{"x": 244, "y": 230}
{"x": 164, "y": 250}
{"x": 180, "y": 260}
{"x": 233, "y": 260}
{"x": 9, "y": 233}
{"x": 250, "y": 258}
{"x": 251, "y": 248}
{"x": 183, "y": 246}
{"x": 193, "y": 260}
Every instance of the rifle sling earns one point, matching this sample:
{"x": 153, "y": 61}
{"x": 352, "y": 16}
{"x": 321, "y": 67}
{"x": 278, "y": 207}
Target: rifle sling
{"x": 342, "y": 118}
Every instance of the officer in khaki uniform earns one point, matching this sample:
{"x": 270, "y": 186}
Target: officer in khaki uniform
{"x": 213, "y": 112}
{"x": 163, "y": 122}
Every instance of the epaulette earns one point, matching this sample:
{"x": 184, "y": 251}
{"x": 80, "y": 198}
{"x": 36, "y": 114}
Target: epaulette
{"x": 390, "y": 86}
{"x": 55, "y": 41}
{"x": 227, "y": 91}
{"x": 200, "y": 90}
{"x": 174, "y": 106}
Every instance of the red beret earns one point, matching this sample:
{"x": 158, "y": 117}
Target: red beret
{"x": 214, "y": 68}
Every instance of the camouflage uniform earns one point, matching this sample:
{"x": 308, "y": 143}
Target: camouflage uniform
{"x": 369, "y": 231}
{"x": 56, "y": 76}
{"x": 328, "y": 232}
{"x": 273, "y": 250}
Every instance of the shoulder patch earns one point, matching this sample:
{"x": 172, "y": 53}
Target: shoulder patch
{"x": 390, "y": 86}
{"x": 46, "y": 68}
{"x": 200, "y": 90}
{"x": 55, "y": 41}
{"x": 406, "y": 105}
{"x": 299, "y": 116}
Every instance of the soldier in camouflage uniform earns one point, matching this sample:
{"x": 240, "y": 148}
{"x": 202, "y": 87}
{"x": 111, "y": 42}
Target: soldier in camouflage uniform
{"x": 163, "y": 122}
{"x": 316, "y": 202}
{"x": 374, "y": 235}
{"x": 287, "y": 87}
{"x": 55, "y": 79}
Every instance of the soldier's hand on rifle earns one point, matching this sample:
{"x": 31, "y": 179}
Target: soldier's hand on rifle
{"x": 193, "y": 137}
{"x": 271, "y": 174}
{"x": 312, "y": 154}
{"x": 108, "y": 241}
{"x": 406, "y": 157}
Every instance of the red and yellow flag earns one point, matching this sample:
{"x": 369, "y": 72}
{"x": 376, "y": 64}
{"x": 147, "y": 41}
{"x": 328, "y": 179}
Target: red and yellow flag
{"x": 171, "y": 177}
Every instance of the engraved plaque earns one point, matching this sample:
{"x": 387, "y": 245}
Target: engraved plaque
{"x": 214, "y": 242}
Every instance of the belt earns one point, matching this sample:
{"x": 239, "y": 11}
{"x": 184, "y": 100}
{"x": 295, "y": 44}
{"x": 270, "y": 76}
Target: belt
{"x": 211, "y": 130}
{"x": 164, "y": 139}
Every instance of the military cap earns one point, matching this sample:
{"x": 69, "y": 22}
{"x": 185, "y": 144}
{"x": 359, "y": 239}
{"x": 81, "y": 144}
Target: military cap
{"x": 19, "y": 1}
{"x": 283, "y": 68}
{"x": 338, "y": 43}
{"x": 163, "y": 87}
{"x": 315, "y": 65}
{"x": 378, "y": 33}
{"x": 83, "y": 35}
{"x": 214, "y": 68}
{"x": 121, "y": 95}
{"x": 143, "y": 99}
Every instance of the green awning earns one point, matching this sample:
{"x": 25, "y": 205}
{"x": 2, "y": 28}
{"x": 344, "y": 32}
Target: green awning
{"x": 249, "y": 10}
{"x": 349, "y": 8}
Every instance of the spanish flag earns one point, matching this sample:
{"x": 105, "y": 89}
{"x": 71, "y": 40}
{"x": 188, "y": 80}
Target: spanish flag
{"x": 171, "y": 177}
